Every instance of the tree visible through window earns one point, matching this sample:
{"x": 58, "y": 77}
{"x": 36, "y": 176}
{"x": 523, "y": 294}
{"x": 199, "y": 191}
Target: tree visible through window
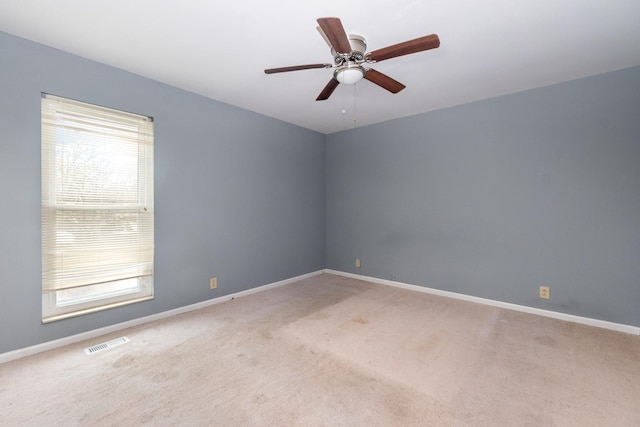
{"x": 97, "y": 208}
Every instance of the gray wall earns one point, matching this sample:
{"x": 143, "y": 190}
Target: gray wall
{"x": 495, "y": 198}
{"x": 490, "y": 199}
{"x": 238, "y": 195}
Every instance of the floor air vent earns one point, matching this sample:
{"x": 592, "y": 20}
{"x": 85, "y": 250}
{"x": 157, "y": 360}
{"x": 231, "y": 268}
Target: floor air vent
{"x": 106, "y": 345}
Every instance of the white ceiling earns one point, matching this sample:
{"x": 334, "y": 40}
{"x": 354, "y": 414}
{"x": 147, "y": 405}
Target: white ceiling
{"x": 220, "y": 49}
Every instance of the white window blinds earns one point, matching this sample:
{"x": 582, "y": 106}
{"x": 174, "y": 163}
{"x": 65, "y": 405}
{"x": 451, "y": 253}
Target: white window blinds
{"x": 97, "y": 194}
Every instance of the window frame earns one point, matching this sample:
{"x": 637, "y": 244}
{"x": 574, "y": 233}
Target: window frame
{"x": 112, "y": 292}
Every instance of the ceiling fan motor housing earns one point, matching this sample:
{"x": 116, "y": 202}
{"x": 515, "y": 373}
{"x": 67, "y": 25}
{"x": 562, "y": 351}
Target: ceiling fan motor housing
{"x": 358, "y": 48}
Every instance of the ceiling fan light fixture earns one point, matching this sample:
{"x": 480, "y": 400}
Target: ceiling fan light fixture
{"x": 349, "y": 74}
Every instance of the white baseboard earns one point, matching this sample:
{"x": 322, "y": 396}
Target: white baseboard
{"x": 50, "y": 345}
{"x": 628, "y": 329}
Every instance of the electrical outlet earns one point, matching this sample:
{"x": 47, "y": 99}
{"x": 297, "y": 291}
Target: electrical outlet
{"x": 544, "y": 292}
{"x": 213, "y": 283}
{"x": 358, "y": 263}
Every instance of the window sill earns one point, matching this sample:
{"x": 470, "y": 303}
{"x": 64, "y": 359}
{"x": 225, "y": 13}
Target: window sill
{"x": 94, "y": 309}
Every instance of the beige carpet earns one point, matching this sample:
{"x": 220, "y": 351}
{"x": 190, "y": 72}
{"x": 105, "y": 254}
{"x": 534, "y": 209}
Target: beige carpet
{"x": 332, "y": 351}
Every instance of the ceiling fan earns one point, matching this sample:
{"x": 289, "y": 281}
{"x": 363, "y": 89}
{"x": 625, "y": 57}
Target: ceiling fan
{"x": 350, "y": 58}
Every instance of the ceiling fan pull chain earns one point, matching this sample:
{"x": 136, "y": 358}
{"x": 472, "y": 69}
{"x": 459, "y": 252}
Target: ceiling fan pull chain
{"x": 355, "y": 102}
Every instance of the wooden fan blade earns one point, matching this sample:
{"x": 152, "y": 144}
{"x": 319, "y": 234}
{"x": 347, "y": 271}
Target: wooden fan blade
{"x": 411, "y": 46}
{"x": 324, "y": 36}
{"x": 384, "y": 81}
{"x": 333, "y": 29}
{"x": 328, "y": 90}
{"x": 296, "y": 68}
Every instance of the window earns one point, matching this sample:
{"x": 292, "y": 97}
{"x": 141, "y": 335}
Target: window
{"x": 97, "y": 208}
